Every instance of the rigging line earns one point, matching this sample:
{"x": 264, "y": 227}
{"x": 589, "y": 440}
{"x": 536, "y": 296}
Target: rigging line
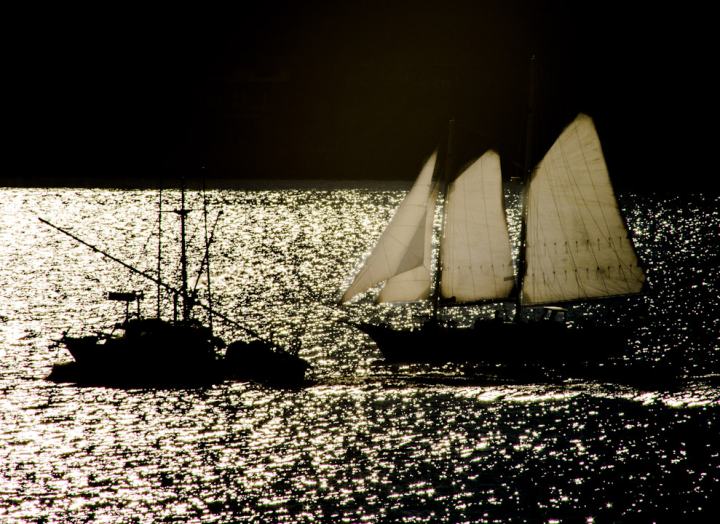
{"x": 147, "y": 242}
{"x": 142, "y": 252}
{"x": 206, "y": 258}
{"x": 166, "y": 286}
{"x": 207, "y": 254}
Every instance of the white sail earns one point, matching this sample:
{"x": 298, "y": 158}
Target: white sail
{"x": 402, "y": 246}
{"x": 476, "y": 258}
{"x": 414, "y": 285}
{"x": 577, "y": 245}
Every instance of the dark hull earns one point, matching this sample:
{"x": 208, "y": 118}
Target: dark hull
{"x": 145, "y": 363}
{"x": 270, "y": 367}
{"x": 158, "y": 354}
{"x": 538, "y": 343}
{"x": 258, "y": 362}
{"x": 134, "y": 377}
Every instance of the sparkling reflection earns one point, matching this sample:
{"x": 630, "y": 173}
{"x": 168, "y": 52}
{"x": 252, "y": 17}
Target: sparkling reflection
{"x": 365, "y": 443}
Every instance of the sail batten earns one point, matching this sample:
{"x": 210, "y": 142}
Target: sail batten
{"x": 477, "y": 262}
{"x": 572, "y": 222}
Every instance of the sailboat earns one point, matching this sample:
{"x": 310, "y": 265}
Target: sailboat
{"x": 574, "y": 247}
{"x": 154, "y": 352}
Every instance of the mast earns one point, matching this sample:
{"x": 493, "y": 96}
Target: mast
{"x": 183, "y": 258}
{"x": 525, "y": 181}
{"x": 159, "y": 261}
{"x": 444, "y": 180}
{"x": 207, "y": 255}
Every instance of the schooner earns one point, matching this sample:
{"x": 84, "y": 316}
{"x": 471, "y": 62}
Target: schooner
{"x": 574, "y": 247}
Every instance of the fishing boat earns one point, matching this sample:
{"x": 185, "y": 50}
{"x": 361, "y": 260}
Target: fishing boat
{"x": 154, "y": 352}
{"x": 574, "y": 247}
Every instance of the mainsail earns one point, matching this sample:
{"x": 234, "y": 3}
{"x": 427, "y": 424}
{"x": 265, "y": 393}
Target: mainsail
{"x": 476, "y": 260}
{"x": 577, "y": 244}
{"x": 403, "y": 249}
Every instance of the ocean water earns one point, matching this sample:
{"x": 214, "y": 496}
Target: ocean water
{"x": 363, "y": 442}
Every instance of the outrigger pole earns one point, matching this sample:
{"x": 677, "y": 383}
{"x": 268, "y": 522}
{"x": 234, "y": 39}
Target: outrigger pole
{"x": 176, "y": 292}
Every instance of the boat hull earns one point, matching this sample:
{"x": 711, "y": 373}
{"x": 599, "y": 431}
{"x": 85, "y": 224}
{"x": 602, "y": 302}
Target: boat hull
{"x": 259, "y": 362}
{"x": 158, "y": 354}
{"x": 543, "y": 343}
{"x": 146, "y": 363}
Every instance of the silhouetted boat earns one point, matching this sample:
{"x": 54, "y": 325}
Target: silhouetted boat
{"x": 153, "y": 352}
{"x": 144, "y": 352}
{"x": 574, "y": 247}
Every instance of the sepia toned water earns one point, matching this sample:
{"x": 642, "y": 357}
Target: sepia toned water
{"x": 361, "y": 443}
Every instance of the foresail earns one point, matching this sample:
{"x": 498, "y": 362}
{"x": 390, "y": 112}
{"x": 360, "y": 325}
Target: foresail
{"x": 577, "y": 245}
{"x": 476, "y": 258}
{"x": 415, "y": 284}
{"x": 402, "y": 246}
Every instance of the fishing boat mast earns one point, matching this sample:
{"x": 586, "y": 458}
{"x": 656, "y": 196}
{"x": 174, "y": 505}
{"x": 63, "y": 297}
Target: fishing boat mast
{"x": 159, "y": 258}
{"x": 207, "y": 255}
{"x": 183, "y": 256}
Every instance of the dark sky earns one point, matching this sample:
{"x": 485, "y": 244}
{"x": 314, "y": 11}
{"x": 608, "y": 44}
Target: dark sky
{"x": 356, "y": 89}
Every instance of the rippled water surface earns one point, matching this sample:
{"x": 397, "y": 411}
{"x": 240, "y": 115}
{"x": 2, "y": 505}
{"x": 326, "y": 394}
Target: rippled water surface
{"x": 362, "y": 443}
